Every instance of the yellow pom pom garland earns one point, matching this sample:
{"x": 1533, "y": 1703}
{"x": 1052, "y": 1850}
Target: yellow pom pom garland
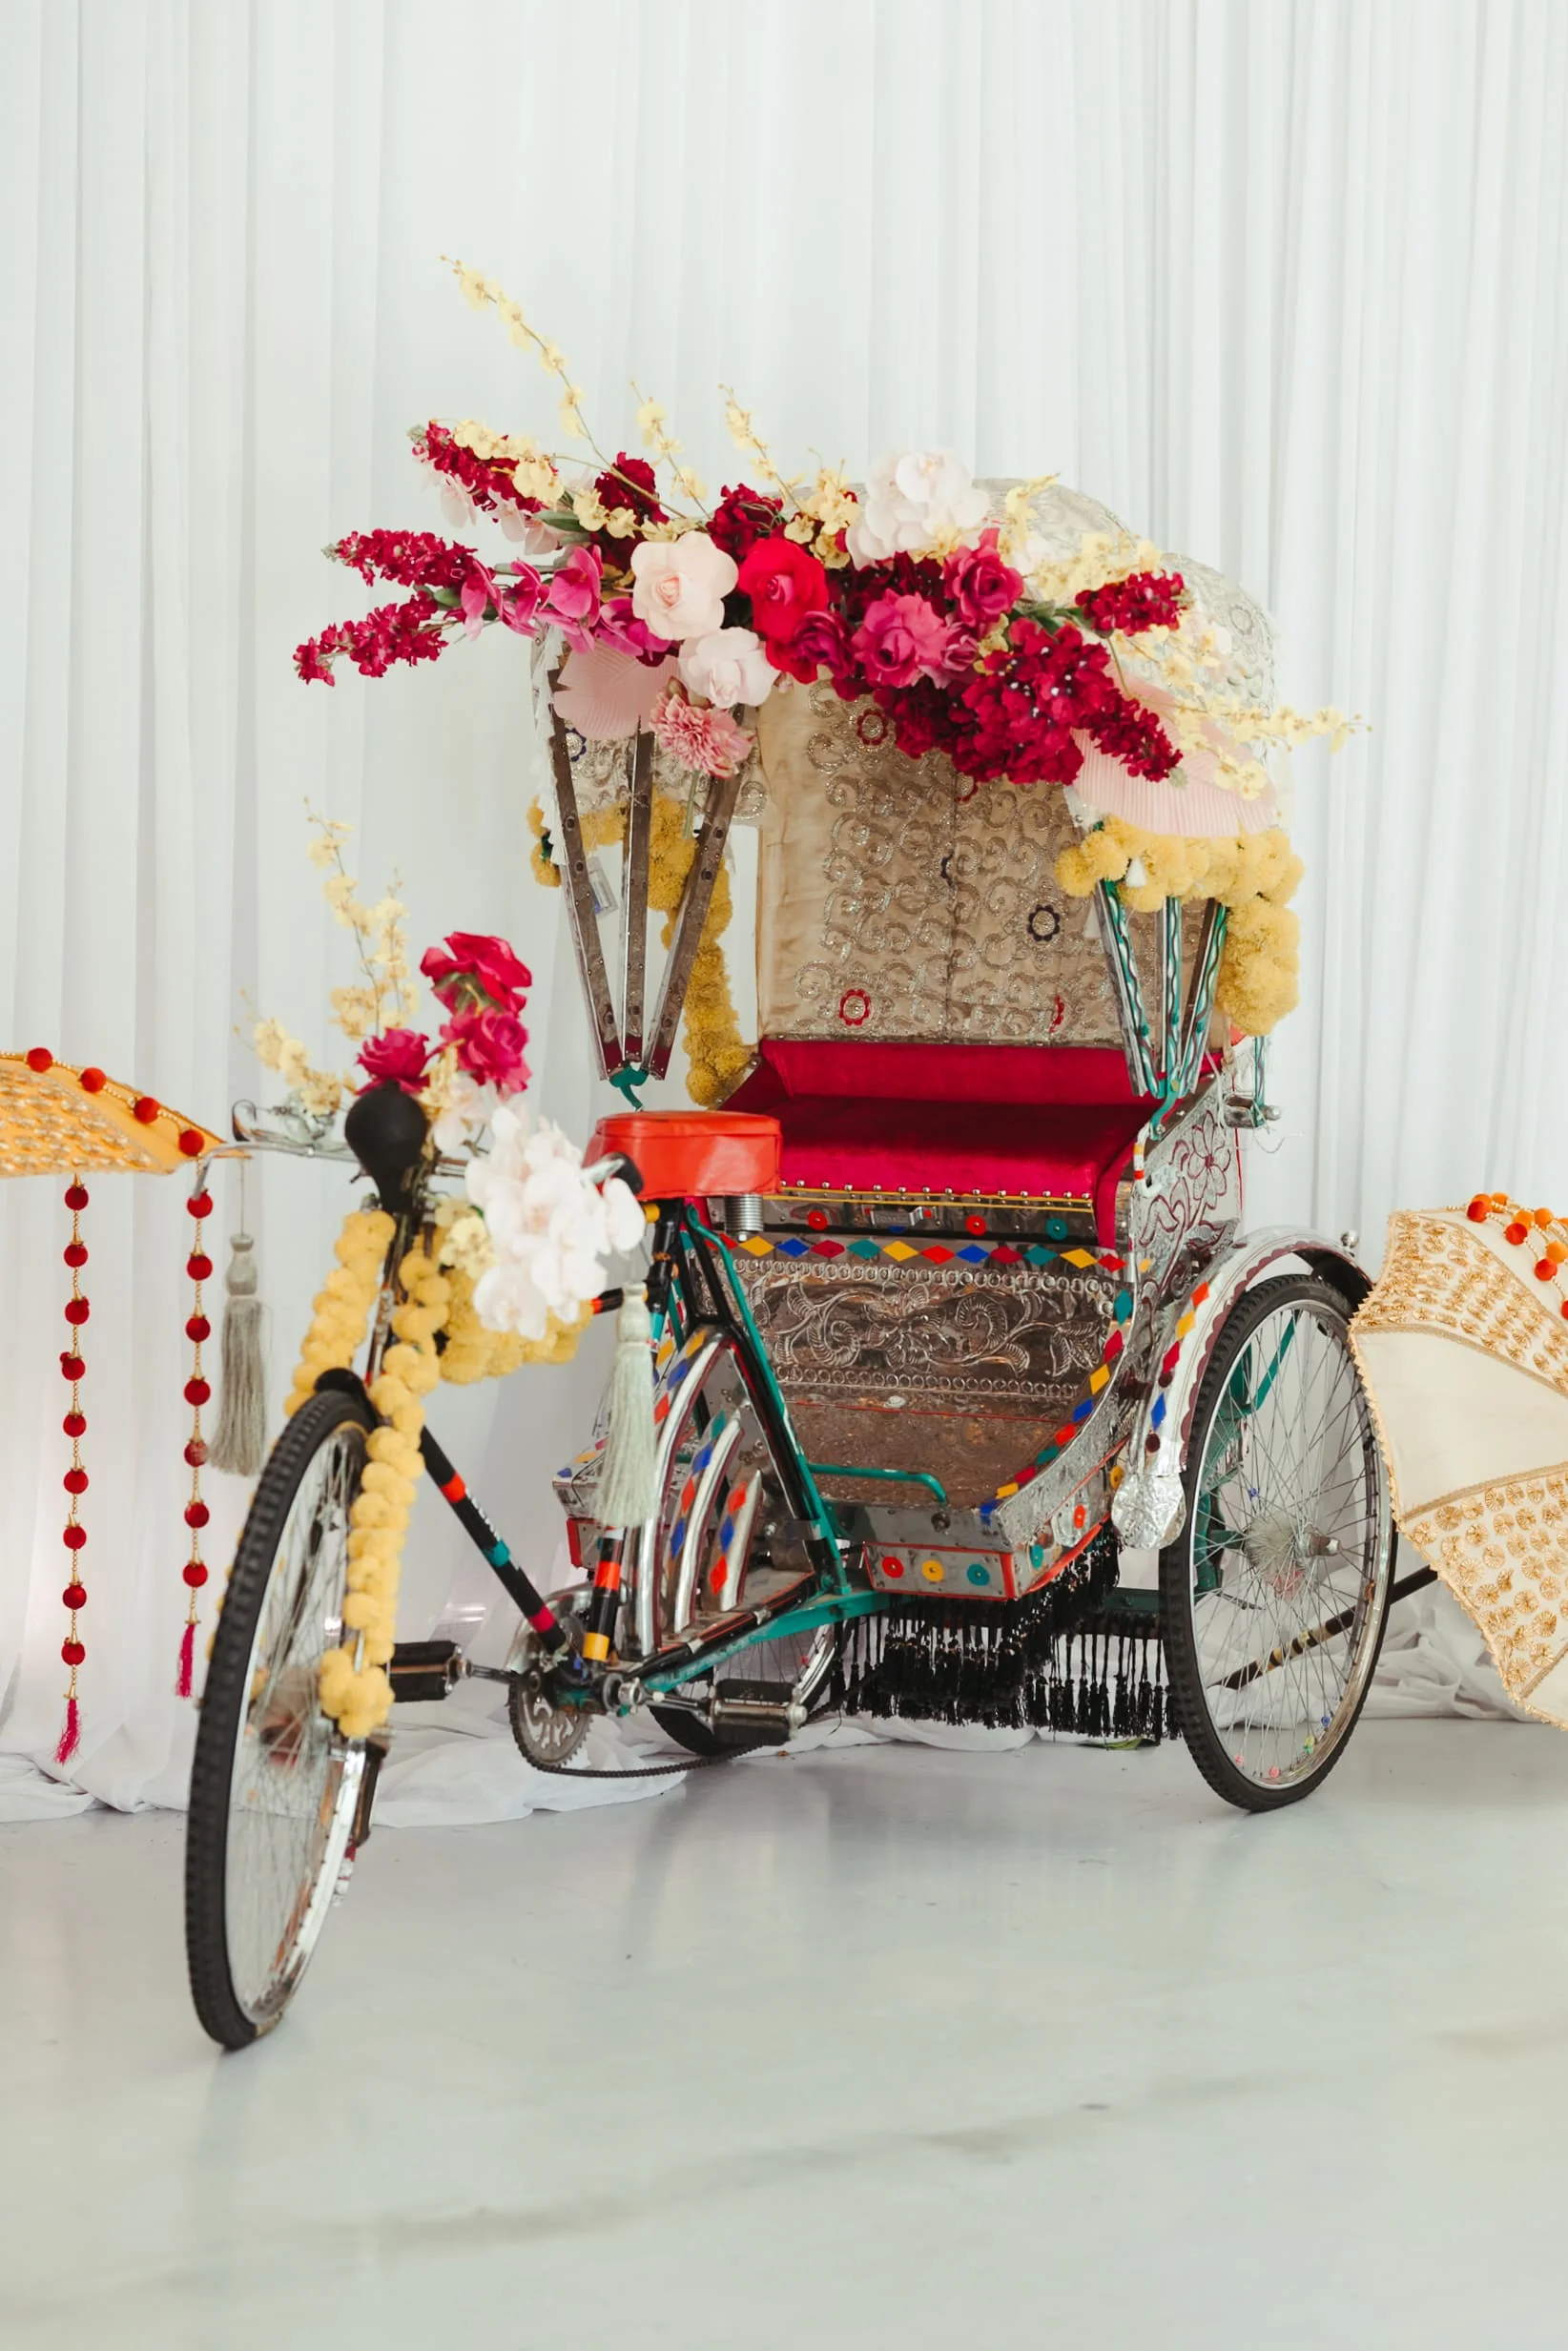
{"x": 342, "y": 1308}
{"x": 354, "y": 1686}
{"x": 1253, "y": 876}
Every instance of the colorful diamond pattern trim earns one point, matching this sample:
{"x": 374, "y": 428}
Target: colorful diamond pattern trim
{"x": 934, "y": 1252}
{"x": 1099, "y": 1379}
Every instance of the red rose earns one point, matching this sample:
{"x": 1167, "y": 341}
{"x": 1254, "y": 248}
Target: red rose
{"x": 821, "y": 642}
{"x": 397, "y": 1059}
{"x": 489, "y": 1047}
{"x": 471, "y": 968}
{"x": 785, "y": 583}
{"x": 980, "y": 583}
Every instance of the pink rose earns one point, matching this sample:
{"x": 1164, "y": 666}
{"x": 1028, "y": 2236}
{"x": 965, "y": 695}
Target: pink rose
{"x": 489, "y": 1047}
{"x": 900, "y": 639}
{"x": 679, "y": 585}
{"x": 397, "y": 1059}
{"x": 571, "y": 601}
{"x": 472, "y": 965}
{"x": 981, "y": 582}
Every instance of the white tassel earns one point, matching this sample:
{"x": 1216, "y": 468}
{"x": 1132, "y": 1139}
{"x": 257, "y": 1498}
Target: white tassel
{"x": 626, "y": 1493}
{"x": 241, "y": 1441}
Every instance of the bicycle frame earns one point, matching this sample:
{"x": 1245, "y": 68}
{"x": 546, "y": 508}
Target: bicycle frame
{"x": 689, "y": 1296}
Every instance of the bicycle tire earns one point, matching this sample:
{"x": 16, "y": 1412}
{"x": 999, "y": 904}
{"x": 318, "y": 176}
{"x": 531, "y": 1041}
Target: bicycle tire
{"x": 232, "y": 2018}
{"x": 1193, "y": 1681}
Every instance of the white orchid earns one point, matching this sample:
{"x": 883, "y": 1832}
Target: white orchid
{"x": 916, "y": 499}
{"x": 551, "y": 1229}
{"x": 464, "y": 1109}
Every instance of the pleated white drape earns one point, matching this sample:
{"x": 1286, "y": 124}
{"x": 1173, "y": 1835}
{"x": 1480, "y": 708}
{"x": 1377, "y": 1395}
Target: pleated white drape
{"x": 1281, "y": 281}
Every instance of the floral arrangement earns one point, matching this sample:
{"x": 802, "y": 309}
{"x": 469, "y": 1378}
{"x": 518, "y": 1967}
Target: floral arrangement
{"x": 963, "y": 631}
{"x": 523, "y": 1246}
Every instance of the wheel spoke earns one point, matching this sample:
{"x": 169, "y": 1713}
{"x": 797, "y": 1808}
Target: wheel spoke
{"x": 288, "y": 1787}
{"x": 1283, "y": 1635}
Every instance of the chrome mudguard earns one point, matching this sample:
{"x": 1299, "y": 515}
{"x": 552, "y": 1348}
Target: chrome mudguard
{"x": 1150, "y": 1502}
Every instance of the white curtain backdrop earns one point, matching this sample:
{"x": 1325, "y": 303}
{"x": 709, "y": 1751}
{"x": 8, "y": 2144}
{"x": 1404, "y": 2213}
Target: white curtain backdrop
{"x": 1281, "y": 281}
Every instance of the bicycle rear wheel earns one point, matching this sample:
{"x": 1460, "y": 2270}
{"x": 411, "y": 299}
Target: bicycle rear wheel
{"x": 1275, "y": 1591}
{"x": 274, "y": 1787}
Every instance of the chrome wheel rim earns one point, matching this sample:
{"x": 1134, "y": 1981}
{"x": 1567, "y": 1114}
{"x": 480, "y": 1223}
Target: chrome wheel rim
{"x": 1290, "y": 1548}
{"x": 296, "y": 1780}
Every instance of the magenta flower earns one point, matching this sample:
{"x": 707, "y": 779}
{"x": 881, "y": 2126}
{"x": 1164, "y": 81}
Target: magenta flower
{"x": 472, "y": 967}
{"x": 571, "y": 601}
{"x": 517, "y": 599}
{"x": 900, "y": 639}
{"x": 397, "y": 1059}
{"x": 981, "y": 582}
{"x": 620, "y": 631}
{"x": 489, "y": 1047}
{"x": 479, "y": 593}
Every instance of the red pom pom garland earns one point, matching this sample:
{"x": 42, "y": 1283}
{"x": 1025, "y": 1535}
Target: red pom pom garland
{"x": 199, "y": 1266}
{"x": 72, "y": 1650}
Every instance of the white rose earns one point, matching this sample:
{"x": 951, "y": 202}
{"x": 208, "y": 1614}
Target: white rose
{"x": 727, "y": 666}
{"x": 679, "y": 585}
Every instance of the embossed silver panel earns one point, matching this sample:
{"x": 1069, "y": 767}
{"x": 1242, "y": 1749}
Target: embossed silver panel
{"x": 960, "y": 1371}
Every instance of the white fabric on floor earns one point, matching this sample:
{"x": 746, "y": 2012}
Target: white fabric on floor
{"x": 1284, "y": 285}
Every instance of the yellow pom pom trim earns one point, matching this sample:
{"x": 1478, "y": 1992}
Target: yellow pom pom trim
{"x": 353, "y": 1685}
{"x": 1253, "y": 876}
{"x": 342, "y": 1312}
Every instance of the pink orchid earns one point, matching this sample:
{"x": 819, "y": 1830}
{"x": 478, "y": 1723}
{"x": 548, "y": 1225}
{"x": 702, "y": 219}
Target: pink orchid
{"x": 479, "y": 591}
{"x": 620, "y": 631}
{"x": 571, "y": 602}
{"x": 519, "y": 599}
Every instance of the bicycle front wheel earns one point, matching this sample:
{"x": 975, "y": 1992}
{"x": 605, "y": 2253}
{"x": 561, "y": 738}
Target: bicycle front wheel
{"x": 274, "y": 1787}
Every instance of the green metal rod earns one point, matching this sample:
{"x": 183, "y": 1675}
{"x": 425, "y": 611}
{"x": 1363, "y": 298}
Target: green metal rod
{"x": 887, "y": 1477}
{"x": 826, "y": 1524}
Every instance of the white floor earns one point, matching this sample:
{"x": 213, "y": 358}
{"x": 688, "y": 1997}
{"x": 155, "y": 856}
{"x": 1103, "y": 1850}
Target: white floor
{"x": 893, "y": 2048}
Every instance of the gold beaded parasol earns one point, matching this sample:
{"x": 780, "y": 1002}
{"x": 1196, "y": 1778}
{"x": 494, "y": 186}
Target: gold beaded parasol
{"x": 61, "y": 1120}
{"x": 1463, "y": 1345}
{"x": 58, "y": 1119}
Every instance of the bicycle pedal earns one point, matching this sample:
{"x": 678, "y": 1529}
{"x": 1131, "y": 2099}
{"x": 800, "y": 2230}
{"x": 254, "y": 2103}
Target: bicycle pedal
{"x": 754, "y": 1714}
{"x": 424, "y": 1669}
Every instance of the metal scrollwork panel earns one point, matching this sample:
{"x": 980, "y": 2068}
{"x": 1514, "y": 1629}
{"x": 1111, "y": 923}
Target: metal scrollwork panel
{"x": 1189, "y": 1204}
{"x": 956, "y": 1338}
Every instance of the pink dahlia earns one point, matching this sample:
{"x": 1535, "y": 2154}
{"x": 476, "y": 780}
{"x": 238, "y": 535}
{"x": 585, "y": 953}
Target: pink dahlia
{"x": 710, "y": 741}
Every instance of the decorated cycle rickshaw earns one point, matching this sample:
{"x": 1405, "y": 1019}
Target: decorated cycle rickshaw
{"x": 948, "y": 1384}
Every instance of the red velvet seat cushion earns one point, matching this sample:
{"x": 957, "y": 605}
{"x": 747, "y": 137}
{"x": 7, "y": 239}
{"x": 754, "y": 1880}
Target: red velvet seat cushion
{"x": 693, "y": 1154}
{"x": 905, "y": 1117}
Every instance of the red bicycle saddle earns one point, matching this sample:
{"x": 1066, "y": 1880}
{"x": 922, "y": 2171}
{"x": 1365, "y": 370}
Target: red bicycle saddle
{"x": 694, "y": 1154}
